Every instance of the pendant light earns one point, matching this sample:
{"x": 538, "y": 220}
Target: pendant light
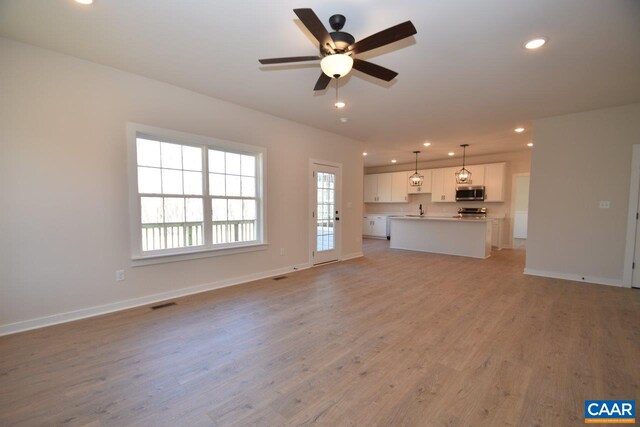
{"x": 416, "y": 179}
{"x": 463, "y": 176}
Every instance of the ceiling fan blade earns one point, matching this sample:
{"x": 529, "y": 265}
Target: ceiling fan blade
{"x": 289, "y": 59}
{"x": 315, "y": 27}
{"x": 323, "y": 82}
{"x": 374, "y": 70}
{"x": 384, "y": 37}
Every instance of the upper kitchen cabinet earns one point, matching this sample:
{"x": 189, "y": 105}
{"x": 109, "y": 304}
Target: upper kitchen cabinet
{"x": 386, "y": 188}
{"x": 426, "y": 182}
{"x": 443, "y": 185}
{"x": 477, "y": 174}
{"x": 399, "y": 184}
{"x": 370, "y": 188}
{"x": 494, "y": 180}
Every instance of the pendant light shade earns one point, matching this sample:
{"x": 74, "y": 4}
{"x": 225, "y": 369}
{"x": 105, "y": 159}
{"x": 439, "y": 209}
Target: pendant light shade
{"x": 463, "y": 176}
{"x": 416, "y": 179}
{"x": 336, "y": 65}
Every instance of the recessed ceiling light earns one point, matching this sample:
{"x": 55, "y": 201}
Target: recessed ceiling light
{"x": 535, "y": 43}
{"x": 343, "y": 120}
{"x": 84, "y": 1}
{"x": 451, "y": 153}
{"x": 519, "y": 130}
{"x": 426, "y": 144}
{"x": 365, "y": 153}
{"x": 393, "y": 161}
{"x": 340, "y": 104}
{"x": 530, "y": 144}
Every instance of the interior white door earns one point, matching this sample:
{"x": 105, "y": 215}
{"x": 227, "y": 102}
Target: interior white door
{"x": 325, "y": 213}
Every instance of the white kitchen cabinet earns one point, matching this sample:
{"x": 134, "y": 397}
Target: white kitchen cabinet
{"x": 377, "y": 188}
{"x": 385, "y": 188}
{"x": 399, "y": 184}
{"x": 443, "y": 185}
{"x": 496, "y": 233}
{"x": 426, "y": 182}
{"x": 370, "y": 188}
{"x": 374, "y": 226}
{"x": 494, "y": 181}
{"x": 477, "y": 174}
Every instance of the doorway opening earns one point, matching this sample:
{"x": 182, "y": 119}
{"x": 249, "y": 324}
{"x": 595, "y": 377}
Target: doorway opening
{"x": 520, "y": 209}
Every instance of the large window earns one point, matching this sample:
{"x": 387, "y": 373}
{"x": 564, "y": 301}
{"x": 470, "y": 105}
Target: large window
{"x": 195, "y": 195}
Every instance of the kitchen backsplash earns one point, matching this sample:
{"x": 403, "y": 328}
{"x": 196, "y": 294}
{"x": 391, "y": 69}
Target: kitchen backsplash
{"x": 434, "y": 209}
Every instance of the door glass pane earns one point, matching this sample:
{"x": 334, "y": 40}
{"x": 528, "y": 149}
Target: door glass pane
{"x": 325, "y": 197}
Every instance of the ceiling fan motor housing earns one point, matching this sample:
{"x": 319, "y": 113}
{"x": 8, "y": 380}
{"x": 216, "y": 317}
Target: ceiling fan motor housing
{"x": 341, "y": 39}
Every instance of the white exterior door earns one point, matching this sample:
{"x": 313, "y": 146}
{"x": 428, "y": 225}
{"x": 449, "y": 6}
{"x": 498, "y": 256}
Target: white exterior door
{"x": 325, "y": 213}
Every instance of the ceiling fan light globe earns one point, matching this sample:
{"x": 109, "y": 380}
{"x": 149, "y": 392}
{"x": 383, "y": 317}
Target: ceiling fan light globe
{"x": 337, "y": 65}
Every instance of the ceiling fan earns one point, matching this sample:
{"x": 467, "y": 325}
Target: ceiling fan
{"x": 338, "y": 48}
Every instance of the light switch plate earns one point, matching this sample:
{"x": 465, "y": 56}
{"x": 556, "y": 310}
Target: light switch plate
{"x": 604, "y": 204}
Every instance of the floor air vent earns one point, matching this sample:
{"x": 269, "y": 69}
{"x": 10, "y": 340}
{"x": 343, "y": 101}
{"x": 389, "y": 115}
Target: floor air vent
{"x": 166, "y": 304}
{"x": 279, "y": 277}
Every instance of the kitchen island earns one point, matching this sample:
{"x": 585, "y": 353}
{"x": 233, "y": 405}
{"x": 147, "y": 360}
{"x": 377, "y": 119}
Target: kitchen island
{"x": 451, "y": 236}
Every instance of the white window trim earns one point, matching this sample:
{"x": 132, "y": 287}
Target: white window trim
{"x": 138, "y": 257}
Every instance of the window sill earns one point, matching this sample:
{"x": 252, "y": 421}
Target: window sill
{"x": 137, "y": 261}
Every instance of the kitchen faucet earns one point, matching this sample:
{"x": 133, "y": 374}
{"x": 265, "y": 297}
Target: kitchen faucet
{"x": 421, "y": 210}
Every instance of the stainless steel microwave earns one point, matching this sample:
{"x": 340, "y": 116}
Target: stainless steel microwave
{"x": 470, "y": 193}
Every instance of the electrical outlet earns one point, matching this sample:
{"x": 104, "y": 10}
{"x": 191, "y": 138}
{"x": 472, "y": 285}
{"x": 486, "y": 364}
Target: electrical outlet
{"x": 281, "y": 251}
{"x": 604, "y": 204}
{"x": 120, "y": 276}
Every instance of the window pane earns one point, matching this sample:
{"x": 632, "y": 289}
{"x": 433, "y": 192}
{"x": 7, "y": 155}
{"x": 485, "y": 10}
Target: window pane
{"x": 233, "y": 163}
{"x": 151, "y": 210}
{"x": 216, "y": 184}
{"x": 216, "y": 161}
{"x": 235, "y": 210}
{"x": 191, "y": 158}
{"x": 148, "y": 152}
{"x": 193, "y": 183}
{"x": 248, "y": 209}
{"x": 149, "y": 180}
{"x": 171, "y": 155}
{"x": 194, "y": 210}
{"x": 233, "y": 185}
{"x": 219, "y": 209}
{"x": 248, "y": 166}
{"x": 248, "y": 187}
{"x": 173, "y": 209}
{"x": 171, "y": 181}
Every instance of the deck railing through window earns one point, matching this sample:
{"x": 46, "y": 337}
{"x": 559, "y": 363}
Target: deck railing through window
{"x": 179, "y": 235}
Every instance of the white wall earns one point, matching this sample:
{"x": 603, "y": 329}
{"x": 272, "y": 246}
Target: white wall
{"x": 517, "y": 162}
{"x": 579, "y": 160}
{"x": 63, "y": 182}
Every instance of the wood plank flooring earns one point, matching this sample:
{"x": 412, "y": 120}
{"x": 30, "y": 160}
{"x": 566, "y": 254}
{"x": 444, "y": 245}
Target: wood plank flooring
{"x": 395, "y": 338}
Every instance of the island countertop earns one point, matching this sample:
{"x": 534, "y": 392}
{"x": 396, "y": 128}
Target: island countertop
{"x": 438, "y": 218}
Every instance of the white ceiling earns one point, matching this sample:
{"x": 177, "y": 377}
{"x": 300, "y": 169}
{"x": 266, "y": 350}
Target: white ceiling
{"x": 464, "y": 78}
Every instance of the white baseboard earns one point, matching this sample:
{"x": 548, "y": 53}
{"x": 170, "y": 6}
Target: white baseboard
{"x": 575, "y": 277}
{"x": 55, "y": 319}
{"x": 351, "y": 256}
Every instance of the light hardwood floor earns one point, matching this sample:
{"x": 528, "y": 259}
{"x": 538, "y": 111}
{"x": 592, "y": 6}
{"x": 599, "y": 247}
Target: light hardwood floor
{"x": 395, "y": 338}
